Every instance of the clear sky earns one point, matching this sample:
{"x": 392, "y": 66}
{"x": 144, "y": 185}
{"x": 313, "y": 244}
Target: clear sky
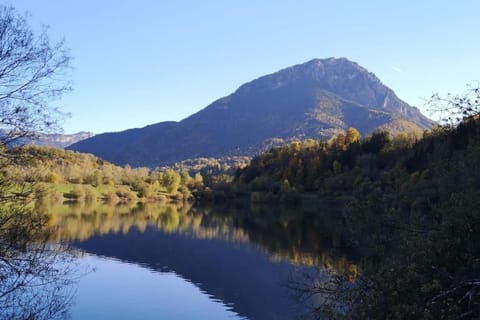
{"x": 138, "y": 62}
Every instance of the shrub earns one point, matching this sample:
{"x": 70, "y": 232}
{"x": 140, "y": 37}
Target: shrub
{"x": 145, "y": 190}
{"x": 53, "y": 177}
{"x": 125, "y": 194}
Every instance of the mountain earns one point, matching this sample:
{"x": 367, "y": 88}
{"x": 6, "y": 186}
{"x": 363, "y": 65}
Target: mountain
{"x": 56, "y": 140}
{"x": 316, "y": 99}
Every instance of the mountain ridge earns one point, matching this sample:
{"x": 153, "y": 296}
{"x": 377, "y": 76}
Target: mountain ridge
{"x": 315, "y": 99}
{"x": 56, "y": 140}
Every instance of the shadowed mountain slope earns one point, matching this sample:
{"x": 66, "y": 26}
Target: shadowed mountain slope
{"x": 311, "y": 100}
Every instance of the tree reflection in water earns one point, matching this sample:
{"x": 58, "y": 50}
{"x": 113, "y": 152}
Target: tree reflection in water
{"x": 286, "y": 234}
{"x": 37, "y": 278}
{"x": 323, "y": 293}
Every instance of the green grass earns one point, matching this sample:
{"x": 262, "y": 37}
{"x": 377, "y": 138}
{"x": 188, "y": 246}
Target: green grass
{"x": 67, "y": 188}
{"x": 67, "y": 191}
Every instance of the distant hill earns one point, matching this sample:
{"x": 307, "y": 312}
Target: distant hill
{"x": 56, "y": 140}
{"x": 316, "y": 99}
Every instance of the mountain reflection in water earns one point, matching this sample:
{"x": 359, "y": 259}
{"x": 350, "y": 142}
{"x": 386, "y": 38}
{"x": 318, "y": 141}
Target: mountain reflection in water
{"x": 243, "y": 257}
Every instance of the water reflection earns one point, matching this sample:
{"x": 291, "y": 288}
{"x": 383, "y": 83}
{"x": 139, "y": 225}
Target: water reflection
{"x": 242, "y": 256}
{"x": 120, "y": 290}
{"x": 37, "y": 278}
{"x": 287, "y": 234}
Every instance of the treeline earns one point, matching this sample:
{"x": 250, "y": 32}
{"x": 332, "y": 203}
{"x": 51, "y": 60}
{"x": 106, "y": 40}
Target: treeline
{"x": 214, "y": 171}
{"x": 299, "y": 164}
{"x": 411, "y": 211}
{"x": 312, "y": 165}
{"x": 63, "y": 175}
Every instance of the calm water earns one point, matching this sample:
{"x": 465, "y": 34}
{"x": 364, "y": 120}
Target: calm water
{"x": 171, "y": 262}
{"x": 121, "y": 290}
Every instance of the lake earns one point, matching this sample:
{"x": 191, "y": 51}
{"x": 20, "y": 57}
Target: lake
{"x": 153, "y": 261}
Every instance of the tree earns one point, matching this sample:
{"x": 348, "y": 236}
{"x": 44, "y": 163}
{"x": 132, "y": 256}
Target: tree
{"x": 452, "y": 109}
{"x": 198, "y": 179}
{"x": 171, "y": 180}
{"x": 33, "y": 74}
{"x": 352, "y": 135}
{"x": 37, "y": 279}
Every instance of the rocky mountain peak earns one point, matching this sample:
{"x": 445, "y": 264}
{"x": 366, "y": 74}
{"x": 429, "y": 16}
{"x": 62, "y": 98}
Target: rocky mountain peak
{"x": 315, "y": 99}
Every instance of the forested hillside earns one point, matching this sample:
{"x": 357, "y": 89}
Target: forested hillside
{"x": 57, "y": 175}
{"x": 411, "y": 211}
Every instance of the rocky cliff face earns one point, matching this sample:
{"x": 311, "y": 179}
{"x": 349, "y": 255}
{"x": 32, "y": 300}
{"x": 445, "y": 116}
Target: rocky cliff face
{"x": 56, "y": 140}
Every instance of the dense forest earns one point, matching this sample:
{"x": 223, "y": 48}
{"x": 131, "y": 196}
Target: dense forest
{"x": 410, "y": 210}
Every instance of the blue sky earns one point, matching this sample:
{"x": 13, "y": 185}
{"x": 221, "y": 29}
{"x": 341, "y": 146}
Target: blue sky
{"x": 137, "y": 62}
